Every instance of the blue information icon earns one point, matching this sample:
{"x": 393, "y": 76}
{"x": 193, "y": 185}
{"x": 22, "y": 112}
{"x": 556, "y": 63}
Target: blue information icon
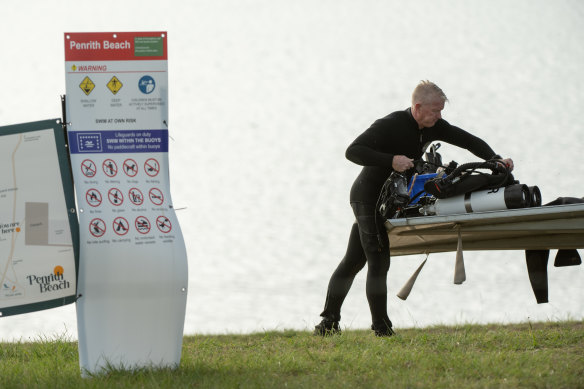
{"x": 89, "y": 142}
{"x": 146, "y": 85}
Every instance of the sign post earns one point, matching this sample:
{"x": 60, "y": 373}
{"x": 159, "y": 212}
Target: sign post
{"x": 133, "y": 265}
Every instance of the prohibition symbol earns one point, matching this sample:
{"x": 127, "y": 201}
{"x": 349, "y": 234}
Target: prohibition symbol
{"x": 152, "y": 167}
{"x": 163, "y": 224}
{"x": 110, "y": 168}
{"x": 130, "y": 167}
{"x": 121, "y": 226}
{"x": 136, "y": 196}
{"x": 87, "y": 86}
{"x": 97, "y": 227}
{"x": 114, "y": 85}
{"x": 142, "y": 225}
{"x": 115, "y": 196}
{"x": 88, "y": 168}
{"x": 93, "y": 197}
{"x": 156, "y": 196}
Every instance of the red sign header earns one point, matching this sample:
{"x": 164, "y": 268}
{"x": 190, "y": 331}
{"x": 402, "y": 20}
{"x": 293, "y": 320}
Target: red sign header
{"x": 115, "y": 46}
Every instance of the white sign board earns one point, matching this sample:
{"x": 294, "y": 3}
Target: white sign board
{"x": 133, "y": 266}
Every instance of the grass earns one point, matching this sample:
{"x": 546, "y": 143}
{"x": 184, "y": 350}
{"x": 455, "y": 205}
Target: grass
{"x": 539, "y": 355}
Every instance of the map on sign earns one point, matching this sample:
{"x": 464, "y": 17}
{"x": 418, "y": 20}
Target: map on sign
{"x": 37, "y": 256}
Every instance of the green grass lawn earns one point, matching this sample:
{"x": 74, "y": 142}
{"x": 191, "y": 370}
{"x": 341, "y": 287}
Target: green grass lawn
{"x": 530, "y": 355}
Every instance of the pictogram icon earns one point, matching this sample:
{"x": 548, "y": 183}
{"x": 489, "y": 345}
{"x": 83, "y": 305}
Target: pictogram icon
{"x": 142, "y": 225}
{"x": 114, "y": 85}
{"x": 152, "y": 167}
{"x": 121, "y": 226}
{"x": 130, "y": 167}
{"x": 87, "y": 85}
{"x": 136, "y": 196}
{"x": 93, "y": 197}
{"x": 97, "y": 227}
{"x": 163, "y": 224}
{"x": 146, "y": 85}
{"x": 89, "y": 142}
{"x": 115, "y": 196}
{"x": 110, "y": 168}
{"x": 88, "y": 168}
{"x": 156, "y": 196}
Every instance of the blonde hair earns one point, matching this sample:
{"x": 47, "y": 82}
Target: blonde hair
{"x": 426, "y": 92}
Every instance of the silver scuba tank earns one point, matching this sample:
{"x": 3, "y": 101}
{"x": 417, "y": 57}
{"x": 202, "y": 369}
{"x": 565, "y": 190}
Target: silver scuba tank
{"x": 509, "y": 197}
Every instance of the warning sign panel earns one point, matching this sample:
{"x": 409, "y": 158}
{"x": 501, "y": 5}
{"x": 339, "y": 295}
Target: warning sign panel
{"x": 118, "y": 114}
{"x": 114, "y": 85}
{"x": 87, "y": 85}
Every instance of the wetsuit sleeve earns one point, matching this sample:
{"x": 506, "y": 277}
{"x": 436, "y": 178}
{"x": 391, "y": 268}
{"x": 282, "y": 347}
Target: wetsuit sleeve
{"x": 366, "y": 156}
{"x": 458, "y": 137}
{"x": 363, "y": 150}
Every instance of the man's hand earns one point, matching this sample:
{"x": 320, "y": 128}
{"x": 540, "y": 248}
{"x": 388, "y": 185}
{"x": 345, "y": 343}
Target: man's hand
{"x": 401, "y": 163}
{"x": 508, "y": 162}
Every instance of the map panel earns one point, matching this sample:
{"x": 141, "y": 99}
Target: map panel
{"x": 37, "y": 258}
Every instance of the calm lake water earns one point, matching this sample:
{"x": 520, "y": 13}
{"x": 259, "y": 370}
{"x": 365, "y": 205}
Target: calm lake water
{"x": 265, "y": 96}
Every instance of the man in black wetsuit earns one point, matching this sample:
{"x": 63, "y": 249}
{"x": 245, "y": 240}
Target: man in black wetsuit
{"x": 391, "y": 143}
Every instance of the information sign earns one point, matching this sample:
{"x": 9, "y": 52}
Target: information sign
{"x": 132, "y": 277}
{"x": 38, "y": 224}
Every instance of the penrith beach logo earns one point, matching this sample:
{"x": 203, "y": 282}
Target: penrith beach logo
{"x": 50, "y": 283}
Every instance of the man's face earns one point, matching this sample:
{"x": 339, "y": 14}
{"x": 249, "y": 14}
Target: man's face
{"x": 428, "y": 114}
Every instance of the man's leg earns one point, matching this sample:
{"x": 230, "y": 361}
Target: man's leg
{"x": 375, "y": 243}
{"x": 342, "y": 279}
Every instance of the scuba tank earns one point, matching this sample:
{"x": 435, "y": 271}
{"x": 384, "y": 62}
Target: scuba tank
{"x": 509, "y": 197}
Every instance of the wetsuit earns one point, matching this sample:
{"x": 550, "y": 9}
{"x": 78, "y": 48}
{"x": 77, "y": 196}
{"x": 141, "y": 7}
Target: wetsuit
{"x": 395, "y": 134}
